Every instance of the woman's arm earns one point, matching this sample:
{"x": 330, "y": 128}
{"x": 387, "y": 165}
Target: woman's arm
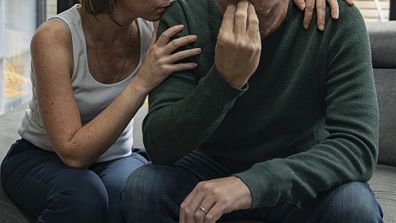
{"x": 77, "y": 145}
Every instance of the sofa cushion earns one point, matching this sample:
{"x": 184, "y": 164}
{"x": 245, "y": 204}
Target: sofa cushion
{"x": 383, "y": 43}
{"x": 9, "y": 213}
{"x": 386, "y": 91}
{"x": 383, "y": 46}
{"x": 383, "y": 184}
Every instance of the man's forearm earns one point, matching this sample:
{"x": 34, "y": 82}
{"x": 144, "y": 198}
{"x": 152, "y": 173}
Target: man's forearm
{"x": 183, "y": 115}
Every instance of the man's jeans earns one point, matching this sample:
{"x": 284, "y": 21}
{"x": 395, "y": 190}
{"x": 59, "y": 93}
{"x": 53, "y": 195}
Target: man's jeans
{"x": 154, "y": 193}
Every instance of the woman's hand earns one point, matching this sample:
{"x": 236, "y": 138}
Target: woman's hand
{"x": 160, "y": 61}
{"x": 309, "y": 7}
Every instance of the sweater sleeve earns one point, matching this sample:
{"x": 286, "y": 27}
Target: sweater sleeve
{"x": 183, "y": 112}
{"x": 349, "y": 152}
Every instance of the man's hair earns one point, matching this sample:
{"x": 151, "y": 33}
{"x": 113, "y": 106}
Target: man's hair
{"x": 96, "y": 7}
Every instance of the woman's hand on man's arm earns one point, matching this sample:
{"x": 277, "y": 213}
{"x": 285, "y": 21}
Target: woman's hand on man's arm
{"x": 308, "y": 6}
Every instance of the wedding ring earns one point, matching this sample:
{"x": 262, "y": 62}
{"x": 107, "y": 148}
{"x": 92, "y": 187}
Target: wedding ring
{"x": 203, "y": 210}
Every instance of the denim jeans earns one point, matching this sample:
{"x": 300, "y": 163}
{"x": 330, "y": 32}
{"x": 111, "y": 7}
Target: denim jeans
{"x": 154, "y": 193}
{"x": 46, "y": 190}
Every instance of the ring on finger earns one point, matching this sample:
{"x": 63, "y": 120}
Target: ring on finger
{"x": 203, "y": 210}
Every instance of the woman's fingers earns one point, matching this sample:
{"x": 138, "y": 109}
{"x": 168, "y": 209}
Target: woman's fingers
{"x": 179, "y": 42}
{"x": 350, "y": 2}
{"x": 300, "y": 4}
{"x": 182, "y": 66}
{"x": 334, "y": 8}
{"x": 321, "y": 14}
{"x": 168, "y": 34}
{"x": 309, "y": 8}
{"x": 183, "y": 55}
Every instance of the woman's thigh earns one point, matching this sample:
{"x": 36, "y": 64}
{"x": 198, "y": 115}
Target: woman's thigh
{"x": 44, "y": 188}
{"x": 114, "y": 175}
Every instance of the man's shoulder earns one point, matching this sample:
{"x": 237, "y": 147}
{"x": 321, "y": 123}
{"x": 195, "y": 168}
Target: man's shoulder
{"x": 349, "y": 15}
{"x": 189, "y": 8}
{"x": 350, "y": 23}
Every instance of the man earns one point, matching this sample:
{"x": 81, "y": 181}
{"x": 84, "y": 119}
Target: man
{"x": 276, "y": 124}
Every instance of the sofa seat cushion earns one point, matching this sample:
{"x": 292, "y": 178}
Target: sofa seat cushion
{"x": 383, "y": 184}
{"x": 9, "y": 213}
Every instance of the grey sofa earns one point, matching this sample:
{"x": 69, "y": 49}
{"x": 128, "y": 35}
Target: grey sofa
{"x": 383, "y": 42}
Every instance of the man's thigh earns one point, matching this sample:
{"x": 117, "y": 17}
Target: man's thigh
{"x": 161, "y": 189}
{"x": 349, "y": 203}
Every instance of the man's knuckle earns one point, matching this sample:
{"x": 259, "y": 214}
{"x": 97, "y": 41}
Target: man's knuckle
{"x": 239, "y": 16}
{"x": 254, "y": 21}
{"x": 197, "y": 215}
{"x": 209, "y": 217}
{"x": 188, "y": 211}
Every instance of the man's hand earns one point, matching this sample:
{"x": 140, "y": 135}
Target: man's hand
{"x": 238, "y": 45}
{"x": 309, "y": 7}
{"x": 211, "y": 199}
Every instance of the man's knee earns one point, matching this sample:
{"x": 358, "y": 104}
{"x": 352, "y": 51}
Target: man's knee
{"x": 351, "y": 202}
{"x": 146, "y": 183}
{"x": 150, "y": 195}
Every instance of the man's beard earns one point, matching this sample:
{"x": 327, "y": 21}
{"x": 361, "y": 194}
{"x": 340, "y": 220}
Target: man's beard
{"x": 269, "y": 28}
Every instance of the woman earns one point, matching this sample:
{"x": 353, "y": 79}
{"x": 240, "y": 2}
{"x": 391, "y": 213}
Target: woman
{"x": 89, "y": 79}
{"x": 92, "y": 67}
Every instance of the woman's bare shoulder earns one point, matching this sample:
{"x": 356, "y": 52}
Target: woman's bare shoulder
{"x": 52, "y": 33}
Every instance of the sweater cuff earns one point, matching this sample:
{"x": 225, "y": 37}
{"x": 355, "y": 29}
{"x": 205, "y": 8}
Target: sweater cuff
{"x": 215, "y": 85}
{"x": 262, "y": 191}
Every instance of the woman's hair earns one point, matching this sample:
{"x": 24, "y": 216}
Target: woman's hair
{"x": 95, "y": 7}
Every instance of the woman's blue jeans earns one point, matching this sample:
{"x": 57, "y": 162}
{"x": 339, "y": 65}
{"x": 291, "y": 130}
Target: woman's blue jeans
{"x": 154, "y": 193}
{"x": 46, "y": 190}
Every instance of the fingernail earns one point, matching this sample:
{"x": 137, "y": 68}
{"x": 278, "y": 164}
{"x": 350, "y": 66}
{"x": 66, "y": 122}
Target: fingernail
{"x": 301, "y": 6}
{"x": 321, "y": 27}
{"x": 335, "y": 15}
{"x": 305, "y": 26}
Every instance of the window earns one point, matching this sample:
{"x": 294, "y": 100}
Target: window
{"x": 17, "y": 24}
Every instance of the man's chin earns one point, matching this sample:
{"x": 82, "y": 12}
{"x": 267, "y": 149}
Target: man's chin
{"x": 268, "y": 29}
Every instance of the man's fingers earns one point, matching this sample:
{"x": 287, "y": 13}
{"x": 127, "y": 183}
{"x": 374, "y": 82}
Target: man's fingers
{"x": 185, "y": 204}
{"x": 214, "y": 213}
{"x": 253, "y": 22}
{"x": 241, "y": 17}
{"x": 228, "y": 19}
{"x": 334, "y": 8}
{"x": 203, "y": 208}
{"x": 321, "y": 14}
{"x": 310, "y": 5}
{"x": 168, "y": 34}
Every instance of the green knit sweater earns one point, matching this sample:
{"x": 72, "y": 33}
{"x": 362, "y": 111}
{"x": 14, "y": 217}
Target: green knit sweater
{"x": 306, "y": 121}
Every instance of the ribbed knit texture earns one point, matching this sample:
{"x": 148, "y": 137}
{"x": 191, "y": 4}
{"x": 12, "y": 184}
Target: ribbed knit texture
{"x": 306, "y": 121}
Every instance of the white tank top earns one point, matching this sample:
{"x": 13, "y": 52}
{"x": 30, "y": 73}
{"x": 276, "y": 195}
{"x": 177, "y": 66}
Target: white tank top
{"x": 92, "y": 96}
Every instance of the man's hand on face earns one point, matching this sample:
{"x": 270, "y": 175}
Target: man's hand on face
{"x": 309, "y": 7}
{"x": 209, "y": 200}
{"x": 238, "y": 45}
